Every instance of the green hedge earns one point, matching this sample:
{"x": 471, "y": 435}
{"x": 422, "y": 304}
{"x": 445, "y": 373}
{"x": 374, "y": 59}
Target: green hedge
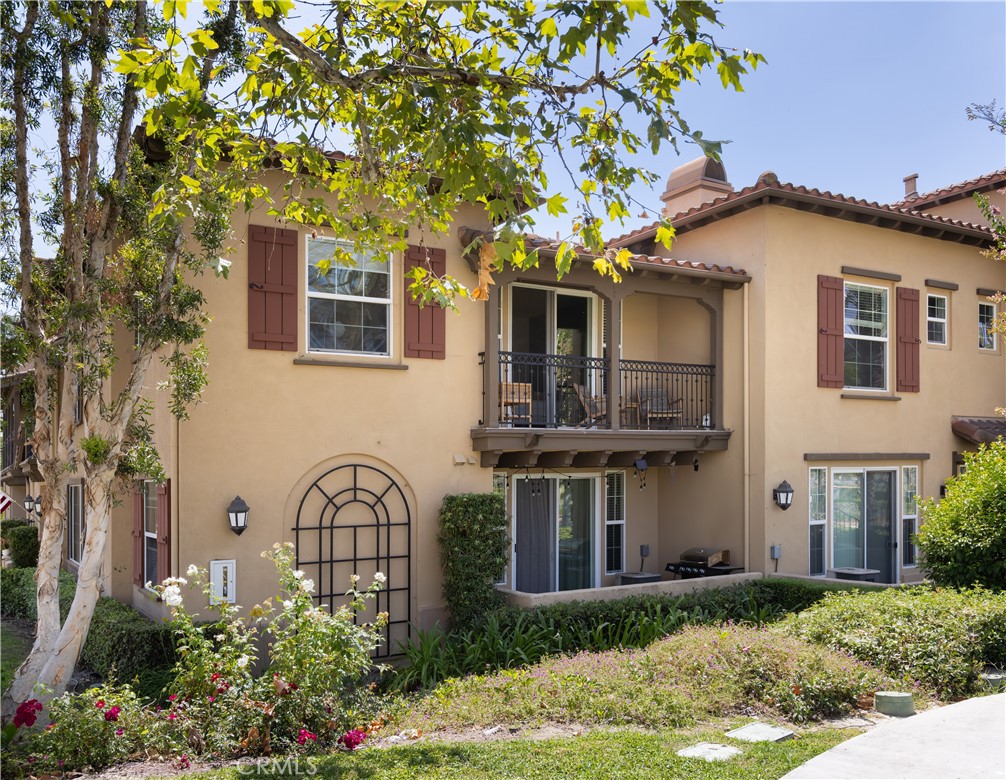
{"x": 7, "y": 525}
{"x": 938, "y": 637}
{"x": 473, "y": 548}
{"x": 24, "y": 545}
{"x": 17, "y": 593}
{"x": 124, "y": 641}
{"x": 119, "y": 639}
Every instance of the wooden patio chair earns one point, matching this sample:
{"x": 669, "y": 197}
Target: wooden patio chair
{"x": 655, "y": 407}
{"x": 595, "y": 407}
{"x": 515, "y": 402}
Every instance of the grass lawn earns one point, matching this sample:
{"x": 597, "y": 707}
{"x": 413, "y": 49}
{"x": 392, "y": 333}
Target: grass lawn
{"x": 597, "y": 754}
{"x": 14, "y": 648}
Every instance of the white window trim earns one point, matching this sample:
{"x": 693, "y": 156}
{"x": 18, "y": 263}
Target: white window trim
{"x": 995, "y": 336}
{"x": 389, "y": 302}
{"x": 823, "y": 521}
{"x": 886, "y": 340}
{"x": 608, "y": 523}
{"x": 945, "y": 320}
{"x": 149, "y": 485}
{"x": 75, "y": 517}
{"x": 903, "y": 516}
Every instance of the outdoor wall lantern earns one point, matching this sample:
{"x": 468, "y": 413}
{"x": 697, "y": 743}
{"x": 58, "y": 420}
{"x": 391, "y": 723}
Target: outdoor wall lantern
{"x": 33, "y": 505}
{"x": 641, "y": 466}
{"x": 237, "y": 512}
{"x": 783, "y": 495}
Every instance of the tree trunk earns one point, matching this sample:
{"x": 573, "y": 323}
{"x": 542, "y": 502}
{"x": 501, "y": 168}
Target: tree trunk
{"x": 61, "y": 663}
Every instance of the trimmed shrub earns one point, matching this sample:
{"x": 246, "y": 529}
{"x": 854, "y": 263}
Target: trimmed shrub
{"x": 473, "y": 548}
{"x": 124, "y": 643}
{"x": 963, "y": 537}
{"x": 17, "y": 593}
{"x": 937, "y": 637}
{"x": 7, "y": 525}
{"x": 24, "y": 545}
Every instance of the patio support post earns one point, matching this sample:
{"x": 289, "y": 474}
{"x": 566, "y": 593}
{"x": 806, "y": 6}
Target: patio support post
{"x": 490, "y": 369}
{"x": 613, "y": 321}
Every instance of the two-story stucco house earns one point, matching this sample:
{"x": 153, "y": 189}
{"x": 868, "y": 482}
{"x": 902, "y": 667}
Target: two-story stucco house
{"x": 789, "y": 335}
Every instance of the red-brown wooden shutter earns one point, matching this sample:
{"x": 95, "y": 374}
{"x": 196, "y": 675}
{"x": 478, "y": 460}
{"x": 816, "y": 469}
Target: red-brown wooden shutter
{"x": 273, "y": 273}
{"x": 425, "y": 327}
{"x": 164, "y": 530}
{"x": 830, "y": 338}
{"x": 138, "y": 535}
{"x": 908, "y": 340}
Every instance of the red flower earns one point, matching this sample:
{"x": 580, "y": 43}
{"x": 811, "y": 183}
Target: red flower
{"x": 211, "y": 699}
{"x": 119, "y": 732}
{"x": 100, "y": 704}
{"x": 172, "y": 697}
{"x": 352, "y": 739}
{"x": 25, "y": 714}
{"x": 214, "y": 677}
{"x": 172, "y": 716}
{"x": 304, "y": 736}
{"x": 113, "y": 714}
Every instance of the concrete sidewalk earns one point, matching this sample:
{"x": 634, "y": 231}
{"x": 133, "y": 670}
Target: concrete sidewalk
{"x": 965, "y": 740}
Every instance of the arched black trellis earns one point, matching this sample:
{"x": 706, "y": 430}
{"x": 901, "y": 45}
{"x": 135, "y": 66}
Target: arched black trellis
{"x": 373, "y": 534}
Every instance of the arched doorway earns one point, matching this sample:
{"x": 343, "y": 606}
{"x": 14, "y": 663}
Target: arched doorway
{"x": 355, "y": 519}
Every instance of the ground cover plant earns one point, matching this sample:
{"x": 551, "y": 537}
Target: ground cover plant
{"x": 511, "y": 637}
{"x": 596, "y": 755}
{"x": 941, "y": 638}
{"x": 699, "y": 673}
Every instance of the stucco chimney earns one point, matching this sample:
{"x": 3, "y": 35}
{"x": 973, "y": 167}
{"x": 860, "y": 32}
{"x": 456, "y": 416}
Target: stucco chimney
{"x": 911, "y": 185}
{"x": 693, "y": 184}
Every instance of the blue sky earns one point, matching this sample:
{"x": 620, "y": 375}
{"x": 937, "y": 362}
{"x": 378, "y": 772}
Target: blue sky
{"x": 855, "y": 96}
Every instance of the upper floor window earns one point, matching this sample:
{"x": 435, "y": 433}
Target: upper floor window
{"x": 348, "y": 308}
{"x": 866, "y": 334}
{"x": 986, "y": 321}
{"x": 936, "y": 319}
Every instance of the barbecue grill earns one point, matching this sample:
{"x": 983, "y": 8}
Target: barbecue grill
{"x": 703, "y": 562}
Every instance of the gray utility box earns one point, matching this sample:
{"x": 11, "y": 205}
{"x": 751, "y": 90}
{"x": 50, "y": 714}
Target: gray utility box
{"x": 637, "y": 577}
{"x": 853, "y": 573}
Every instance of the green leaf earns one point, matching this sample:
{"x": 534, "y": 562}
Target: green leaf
{"x": 548, "y": 28}
{"x": 665, "y": 234}
{"x": 556, "y": 205}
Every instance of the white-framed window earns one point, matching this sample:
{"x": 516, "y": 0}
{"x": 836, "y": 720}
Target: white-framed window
{"x": 75, "y": 522}
{"x": 987, "y": 337}
{"x": 866, "y": 336}
{"x": 818, "y": 516}
{"x": 614, "y": 522}
{"x": 936, "y": 319}
{"x": 909, "y": 514}
{"x": 150, "y": 573}
{"x": 348, "y": 308}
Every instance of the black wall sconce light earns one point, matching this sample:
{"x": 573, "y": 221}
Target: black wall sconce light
{"x": 641, "y": 466}
{"x": 237, "y": 514}
{"x": 783, "y": 495}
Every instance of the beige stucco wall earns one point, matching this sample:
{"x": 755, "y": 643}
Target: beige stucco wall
{"x": 266, "y": 428}
{"x": 966, "y": 210}
{"x": 789, "y": 414}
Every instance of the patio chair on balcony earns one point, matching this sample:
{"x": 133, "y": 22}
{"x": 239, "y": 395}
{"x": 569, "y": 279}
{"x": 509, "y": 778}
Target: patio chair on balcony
{"x": 595, "y": 407}
{"x": 656, "y": 410}
{"x": 515, "y": 402}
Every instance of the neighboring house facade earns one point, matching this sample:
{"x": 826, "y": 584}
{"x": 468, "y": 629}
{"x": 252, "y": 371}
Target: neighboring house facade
{"x": 795, "y": 335}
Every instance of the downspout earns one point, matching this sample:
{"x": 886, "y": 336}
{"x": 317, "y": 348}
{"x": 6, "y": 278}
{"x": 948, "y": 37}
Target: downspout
{"x": 747, "y": 424}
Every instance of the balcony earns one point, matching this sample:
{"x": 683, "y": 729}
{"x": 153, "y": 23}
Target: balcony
{"x": 552, "y": 410}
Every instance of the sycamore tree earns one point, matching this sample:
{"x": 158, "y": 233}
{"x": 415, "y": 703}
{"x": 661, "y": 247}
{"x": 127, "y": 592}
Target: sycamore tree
{"x": 133, "y": 130}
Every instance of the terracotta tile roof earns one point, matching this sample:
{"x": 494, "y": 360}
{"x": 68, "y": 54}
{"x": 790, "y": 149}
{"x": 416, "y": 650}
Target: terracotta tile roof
{"x": 979, "y": 430}
{"x": 689, "y": 267}
{"x": 988, "y": 181}
{"x": 768, "y": 189}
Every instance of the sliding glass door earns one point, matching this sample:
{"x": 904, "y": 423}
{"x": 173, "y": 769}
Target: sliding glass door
{"x": 863, "y": 520}
{"x": 554, "y": 534}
